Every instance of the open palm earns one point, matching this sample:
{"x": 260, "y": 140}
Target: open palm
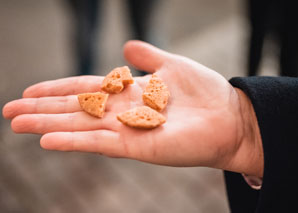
{"x": 203, "y": 126}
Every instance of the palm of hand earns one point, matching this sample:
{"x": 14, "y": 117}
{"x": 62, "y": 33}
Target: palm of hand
{"x": 200, "y": 127}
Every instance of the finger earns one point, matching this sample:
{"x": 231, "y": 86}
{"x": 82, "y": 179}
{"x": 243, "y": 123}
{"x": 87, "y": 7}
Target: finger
{"x": 68, "y": 104}
{"x": 46, "y": 105}
{"x": 101, "y": 141}
{"x": 78, "y": 121}
{"x": 65, "y": 86}
{"x": 145, "y": 56}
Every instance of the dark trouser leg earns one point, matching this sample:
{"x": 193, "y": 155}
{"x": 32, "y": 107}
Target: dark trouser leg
{"x": 289, "y": 41}
{"x": 85, "y": 14}
{"x": 257, "y": 11}
{"x": 255, "y": 51}
{"x": 289, "y": 56}
{"x": 140, "y": 12}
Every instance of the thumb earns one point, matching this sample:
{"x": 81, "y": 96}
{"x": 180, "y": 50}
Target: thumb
{"x": 144, "y": 56}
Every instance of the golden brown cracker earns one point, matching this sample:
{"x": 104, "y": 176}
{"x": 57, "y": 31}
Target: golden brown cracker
{"x": 156, "y": 94}
{"x": 117, "y": 79}
{"x": 142, "y": 117}
{"x": 93, "y": 103}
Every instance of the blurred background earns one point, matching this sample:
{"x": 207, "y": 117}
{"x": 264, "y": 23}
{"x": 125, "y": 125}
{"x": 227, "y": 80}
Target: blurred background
{"x": 43, "y": 40}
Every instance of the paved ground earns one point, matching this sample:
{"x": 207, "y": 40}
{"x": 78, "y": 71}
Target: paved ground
{"x": 35, "y": 46}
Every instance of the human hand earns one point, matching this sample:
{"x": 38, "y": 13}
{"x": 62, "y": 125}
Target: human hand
{"x": 209, "y": 123}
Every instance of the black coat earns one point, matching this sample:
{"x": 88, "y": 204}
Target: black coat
{"x": 275, "y": 101}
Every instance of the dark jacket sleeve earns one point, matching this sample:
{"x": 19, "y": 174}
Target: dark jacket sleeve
{"x": 275, "y": 101}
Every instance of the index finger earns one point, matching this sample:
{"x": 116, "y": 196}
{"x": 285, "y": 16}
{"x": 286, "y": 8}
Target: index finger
{"x": 64, "y": 86}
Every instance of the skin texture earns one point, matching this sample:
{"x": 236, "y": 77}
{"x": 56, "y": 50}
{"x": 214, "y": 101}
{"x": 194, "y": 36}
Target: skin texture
{"x": 209, "y": 123}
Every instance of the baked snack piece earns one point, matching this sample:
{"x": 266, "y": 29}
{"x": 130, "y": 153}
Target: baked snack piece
{"x": 142, "y": 117}
{"x": 156, "y": 94}
{"x": 93, "y": 103}
{"x": 117, "y": 79}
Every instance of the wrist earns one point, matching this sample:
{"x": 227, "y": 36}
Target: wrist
{"x": 249, "y": 157}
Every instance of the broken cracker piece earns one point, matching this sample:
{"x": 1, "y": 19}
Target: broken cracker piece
{"x": 93, "y": 103}
{"x": 117, "y": 79}
{"x": 142, "y": 117}
{"x": 156, "y": 94}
